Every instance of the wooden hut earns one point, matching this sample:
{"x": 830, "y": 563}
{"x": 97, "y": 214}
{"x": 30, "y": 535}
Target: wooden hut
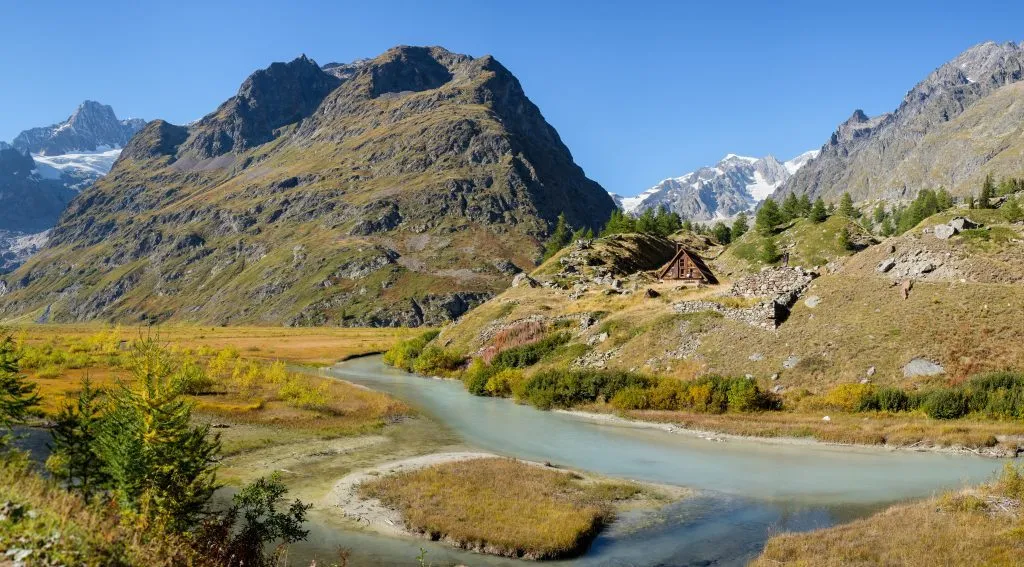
{"x": 687, "y": 266}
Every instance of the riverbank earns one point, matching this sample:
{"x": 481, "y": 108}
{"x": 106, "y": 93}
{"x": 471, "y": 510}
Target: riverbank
{"x": 489, "y": 504}
{"x": 769, "y": 432}
{"x": 975, "y": 526}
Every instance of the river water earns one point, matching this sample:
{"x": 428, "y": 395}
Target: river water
{"x": 748, "y": 490}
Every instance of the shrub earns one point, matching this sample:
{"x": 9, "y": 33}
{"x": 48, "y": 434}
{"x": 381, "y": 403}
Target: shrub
{"x": 521, "y": 334}
{"x": 436, "y": 360}
{"x": 632, "y": 398}
{"x": 504, "y": 382}
{"x": 568, "y": 388}
{"x": 476, "y": 376}
{"x": 1011, "y": 481}
{"x": 887, "y": 399}
{"x": 300, "y": 393}
{"x": 530, "y": 354}
{"x": 50, "y": 371}
{"x": 193, "y": 379}
{"x": 850, "y": 397}
{"x": 404, "y": 354}
{"x": 669, "y": 394}
{"x": 945, "y": 404}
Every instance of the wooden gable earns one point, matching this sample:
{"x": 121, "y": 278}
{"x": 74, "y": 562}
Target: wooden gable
{"x": 687, "y": 266}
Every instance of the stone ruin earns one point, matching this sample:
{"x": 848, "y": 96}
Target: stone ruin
{"x": 780, "y": 286}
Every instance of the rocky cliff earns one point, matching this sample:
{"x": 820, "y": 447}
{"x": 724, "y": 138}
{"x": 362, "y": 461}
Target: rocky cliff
{"x": 398, "y": 190}
{"x": 954, "y": 127}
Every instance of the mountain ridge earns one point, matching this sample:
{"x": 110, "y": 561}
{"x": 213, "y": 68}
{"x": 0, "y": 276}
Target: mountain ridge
{"x": 396, "y": 191}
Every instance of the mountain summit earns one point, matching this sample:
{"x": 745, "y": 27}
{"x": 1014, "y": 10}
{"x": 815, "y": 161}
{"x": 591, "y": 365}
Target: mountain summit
{"x": 92, "y": 127}
{"x": 401, "y": 190}
{"x": 733, "y": 185}
{"x": 952, "y": 128}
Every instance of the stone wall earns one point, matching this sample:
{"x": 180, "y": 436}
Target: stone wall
{"x": 773, "y": 282}
{"x": 765, "y": 315}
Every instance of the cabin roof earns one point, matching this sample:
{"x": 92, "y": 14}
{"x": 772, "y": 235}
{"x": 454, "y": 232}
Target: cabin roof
{"x": 697, "y": 261}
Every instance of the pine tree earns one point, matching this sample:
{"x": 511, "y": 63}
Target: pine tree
{"x": 988, "y": 190}
{"x": 19, "y": 398}
{"x": 160, "y": 465}
{"x": 879, "y": 213}
{"x": 561, "y": 236}
{"x": 844, "y": 239}
{"x": 769, "y": 251}
{"x": 768, "y": 217}
{"x": 73, "y": 458}
{"x": 1012, "y": 210}
{"x": 790, "y": 207}
{"x": 818, "y": 212}
{"x": 886, "y": 229}
{"x": 944, "y": 199}
{"x": 619, "y": 223}
{"x": 740, "y": 226}
{"x": 805, "y": 205}
{"x": 721, "y": 233}
{"x": 846, "y": 206}
{"x": 666, "y": 222}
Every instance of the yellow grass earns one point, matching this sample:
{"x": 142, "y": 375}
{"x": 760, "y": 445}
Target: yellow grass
{"x": 315, "y": 346}
{"x": 502, "y": 506}
{"x": 982, "y": 526}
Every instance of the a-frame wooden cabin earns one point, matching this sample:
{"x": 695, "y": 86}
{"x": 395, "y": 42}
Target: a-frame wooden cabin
{"x": 687, "y": 266}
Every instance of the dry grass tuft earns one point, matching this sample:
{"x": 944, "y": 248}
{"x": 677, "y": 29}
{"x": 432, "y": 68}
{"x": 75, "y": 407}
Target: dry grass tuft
{"x": 502, "y": 506}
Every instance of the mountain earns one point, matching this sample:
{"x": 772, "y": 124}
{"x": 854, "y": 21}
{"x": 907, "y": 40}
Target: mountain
{"x": 954, "y": 127}
{"x": 735, "y": 184}
{"x": 400, "y": 190}
{"x": 46, "y": 167}
{"x": 91, "y": 127}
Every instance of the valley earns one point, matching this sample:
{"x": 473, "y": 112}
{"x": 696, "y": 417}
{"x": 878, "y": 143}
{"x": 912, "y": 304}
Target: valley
{"x": 376, "y": 313}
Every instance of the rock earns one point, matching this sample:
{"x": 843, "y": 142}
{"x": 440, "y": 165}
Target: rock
{"x": 651, "y": 293}
{"x": 826, "y": 418}
{"x": 756, "y": 357}
{"x": 812, "y": 301}
{"x": 602, "y": 337}
{"x": 522, "y": 279}
{"x": 748, "y": 376}
{"x": 778, "y": 388}
{"x": 886, "y": 265}
{"x": 961, "y": 223}
{"x": 775, "y": 376}
{"x": 865, "y": 381}
{"x": 922, "y": 367}
{"x": 871, "y": 371}
{"x": 790, "y": 362}
{"x": 944, "y": 231}
{"x": 507, "y": 267}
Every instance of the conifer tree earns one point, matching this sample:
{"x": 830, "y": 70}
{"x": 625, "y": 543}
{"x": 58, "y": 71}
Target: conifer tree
{"x": 619, "y": 223}
{"x": 73, "y": 452}
{"x": 768, "y": 217}
{"x": 805, "y": 205}
{"x": 818, "y": 212}
{"x": 740, "y": 226}
{"x": 790, "y": 207}
{"x": 161, "y": 467}
{"x": 769, "y": 251}
{"x": 560, "y": 237}
{"x": 988, "y": 190}
{"x": 846, "y": 206}
{"x": 722, "y": 233}
{"x": 19, "y": 398}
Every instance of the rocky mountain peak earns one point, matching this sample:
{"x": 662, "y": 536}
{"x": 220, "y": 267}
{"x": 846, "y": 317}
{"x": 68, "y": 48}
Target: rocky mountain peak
{"x": 91, "y": 127}
{"x": 281, "y": 94}
{"x": 868, "y": 157}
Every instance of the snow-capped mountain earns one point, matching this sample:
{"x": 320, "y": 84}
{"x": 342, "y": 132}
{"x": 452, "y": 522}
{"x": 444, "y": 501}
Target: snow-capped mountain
{"x": 733, "y": 185}
{"x": 44, "y": 168}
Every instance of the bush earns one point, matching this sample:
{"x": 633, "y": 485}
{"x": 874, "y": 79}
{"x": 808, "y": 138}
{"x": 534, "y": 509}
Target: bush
{"x": 568, "y": 388}
{"x": 504, "y": 383}
{"x": 436, "y": 360}
{"x": 476, "y": 376}
{"x": 886, "y": 399}
{"x": 530, "y": 354}
{"x": 632, "y": 398}
{"x": 404, "y": 354}
{"x": 851, "y": 397}
{"x": 945, "y": 404}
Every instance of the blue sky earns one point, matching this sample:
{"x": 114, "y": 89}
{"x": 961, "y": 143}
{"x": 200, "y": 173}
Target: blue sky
{"x": 639, "y": 91}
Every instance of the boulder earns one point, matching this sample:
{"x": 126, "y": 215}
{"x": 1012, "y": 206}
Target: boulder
{"x": 812, "y": 301}
{"x": 886, "y": 265}
{"x": 961, "y": 223}
{"x": 651, "y": 293}
{"x": 945, "y": 231}
{"x": 790, "y": 362}
{"x": 521, "y": 279}
{"x": 922, "y": 367}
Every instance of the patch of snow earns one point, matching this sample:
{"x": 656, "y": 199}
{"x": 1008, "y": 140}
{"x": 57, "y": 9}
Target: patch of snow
{"x": 799, "y": 161}
{"x": 91, "y": 164}
{"x": 741, "y": 158}
{"x": 760, "y": 189}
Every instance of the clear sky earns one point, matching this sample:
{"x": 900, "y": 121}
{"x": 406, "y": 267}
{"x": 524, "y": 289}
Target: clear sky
{"x": 639, "y": 91}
